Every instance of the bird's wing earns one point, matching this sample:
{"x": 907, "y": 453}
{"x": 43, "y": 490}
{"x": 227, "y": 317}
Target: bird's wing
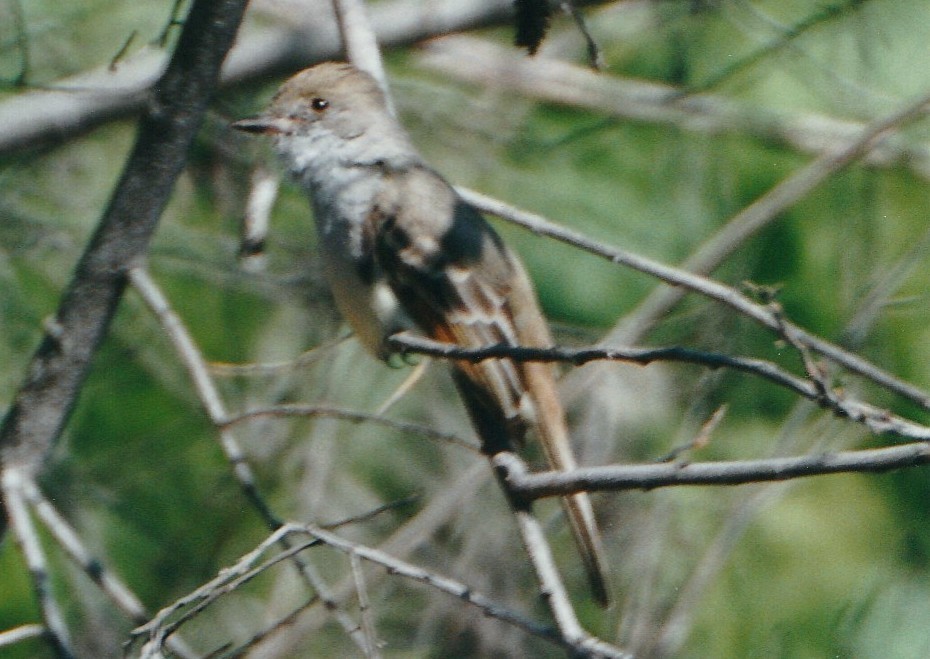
{"x": 459, "y": 282}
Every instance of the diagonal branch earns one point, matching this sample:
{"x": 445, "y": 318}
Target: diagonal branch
{"x": 760, "y": 313}
{"x": 173, "y": 115}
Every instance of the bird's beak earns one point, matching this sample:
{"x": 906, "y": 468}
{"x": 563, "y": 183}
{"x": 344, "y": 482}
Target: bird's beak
{"x": 261, "y": 125}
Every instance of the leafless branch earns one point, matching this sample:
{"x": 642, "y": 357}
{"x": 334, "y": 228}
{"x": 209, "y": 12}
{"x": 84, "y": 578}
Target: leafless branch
{"x": 353, "y": 417}
{"x": 174, "y": 113}
{"x": 166, "y": 622}
{"x": 765, "y": 210}
{"x": 547, "y": 574}
{"x": 24, "y": 532}
{"x": 407, "y": 539}
{"x": 616, "y": 478}
{"x": 878, "y": 421}
{"x": 209, "y": 395}
{"x": 761, "y": 313}
{"x": 361, "y": 43}
{"x": 595, "y": 57}
{"x": 68, "y": 539}
{"x": 20, "y": 634}
{"x": 372, "y": 649}
{"x": 274, "y": 368}
{"x": 270, "y": 630}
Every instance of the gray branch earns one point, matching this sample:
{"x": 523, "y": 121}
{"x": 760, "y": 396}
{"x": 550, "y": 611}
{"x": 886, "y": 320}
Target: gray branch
{"x": 171, "y": 119}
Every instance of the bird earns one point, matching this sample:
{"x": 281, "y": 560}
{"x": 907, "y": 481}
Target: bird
{"x": 402, "y": 251}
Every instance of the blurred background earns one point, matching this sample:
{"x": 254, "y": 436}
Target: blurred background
{"x": 834, "y": 566}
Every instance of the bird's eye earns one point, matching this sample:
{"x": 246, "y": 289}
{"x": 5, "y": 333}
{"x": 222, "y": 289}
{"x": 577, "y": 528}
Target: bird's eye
{"x": 319, "y": 104}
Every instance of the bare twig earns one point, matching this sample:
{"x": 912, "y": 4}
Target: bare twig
{"x": 615, "y": 478}
{"x": 408, "y": 538}
{"x": 547, "y": 574}
{"x": 416, "y": 374}
{"x": 371, "y": 514}
{"x": 353, "y": 417}
{"x": 20, "y": 634}
{"x": 372, "y": 648}
{"x": 204, "y": 386}
{"x": 213, "y": 404}
{"x": 763, "y": 211}
{"x": 68, "y": 539}
{"x": 701, "y": 439}
{"x": 274, "y": 368}
{"x": 159, "y": 628}
{"x": 12, "y": 481}
{"x": 877, "y": 420}
{"x": 249, "y": 566}
{"x": 595, "y": 57}
{"x": 578, "y": 641}
{"x": 760, "y": 313}
{"x": 271, "y": 629}
{"x": 674, "y": 630}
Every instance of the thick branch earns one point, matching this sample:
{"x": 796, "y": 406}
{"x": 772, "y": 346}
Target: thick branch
{"x": 87, "y": 100}
{"x": 172, "y": 118}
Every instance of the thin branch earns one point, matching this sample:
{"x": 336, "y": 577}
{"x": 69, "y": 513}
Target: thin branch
{"x": 674, "y": 630}
{"x": 353, "y": 417}
{"x": 726, "y": 295}
{"x": 20, "y": 634}
{"x": 204, "y": 386}
{"x": 361, "y": 43}
{"x": 877, "y": 420}
{"x": 762, "y": 212}
{"x": 537, "y": 548}
{"x": 305, "y": 359}
{"x": 158, "y": 628}
{"x": 786, "y": 35}
{"x": 595, "y": 56}
{"x": 176, "y": 108}
{"x": 617, "y": 478}
{"x": 371, "y": 514}
{"x": 24, "y": 532}
{"x": 209, "y": 395}
{"x": 581, "y": 644}
{"x": 416, "y": 374}
{"x": 248, "y": 567}
{"x": 68, "y": 539}
{"x": 403, "y": 542}
{"x": 372, "y": 648}
{"x": 273, "y": 628}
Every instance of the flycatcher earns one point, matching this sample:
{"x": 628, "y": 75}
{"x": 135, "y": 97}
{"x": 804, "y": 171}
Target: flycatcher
{"x": 401, "y": 249}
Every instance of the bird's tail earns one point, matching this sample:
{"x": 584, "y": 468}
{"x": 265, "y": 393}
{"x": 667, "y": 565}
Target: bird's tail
{"x": 553, "y": 435}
